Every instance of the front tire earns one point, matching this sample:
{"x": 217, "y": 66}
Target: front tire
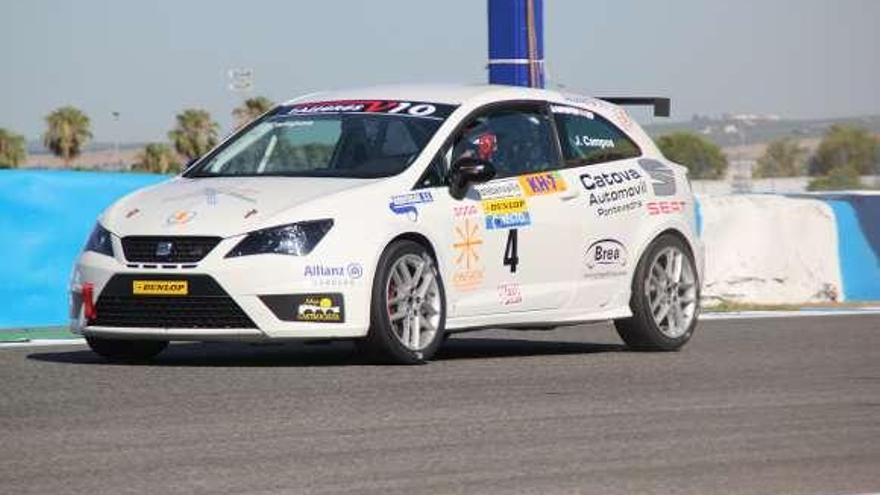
{"x": 408, "y": 307}
{"x": 665, "y": 298}
{"x": 126, "y": 350}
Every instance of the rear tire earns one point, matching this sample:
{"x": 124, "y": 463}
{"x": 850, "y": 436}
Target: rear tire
{"x": 126, "y": 350}
{"x": 408, "y": 306}
{"x": 665, "y": 298}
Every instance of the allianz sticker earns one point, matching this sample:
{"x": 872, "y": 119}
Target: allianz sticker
{"x": 333, "y": 275}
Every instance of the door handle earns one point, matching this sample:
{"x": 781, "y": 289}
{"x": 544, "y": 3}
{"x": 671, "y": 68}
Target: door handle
{"x": 569, "y": 194}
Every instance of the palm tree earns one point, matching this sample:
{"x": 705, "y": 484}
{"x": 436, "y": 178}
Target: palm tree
{"x": 157, "y": 158}
{"x": 251, "y": 109}
{"x": 12, "y": 151}
{"x": 67, "y": 133}
{"x": 194, "y": 134}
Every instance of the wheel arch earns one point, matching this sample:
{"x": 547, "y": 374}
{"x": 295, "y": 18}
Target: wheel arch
{"x": 678, "y": 232}
{"x": 416, "y": 237}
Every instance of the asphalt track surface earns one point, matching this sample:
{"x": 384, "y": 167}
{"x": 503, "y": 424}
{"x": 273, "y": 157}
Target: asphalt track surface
{"x": 750, "y": 406}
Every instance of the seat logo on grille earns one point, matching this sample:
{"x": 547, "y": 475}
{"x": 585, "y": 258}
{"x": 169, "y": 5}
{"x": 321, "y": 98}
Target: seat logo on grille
{"x": 164, "y": 248}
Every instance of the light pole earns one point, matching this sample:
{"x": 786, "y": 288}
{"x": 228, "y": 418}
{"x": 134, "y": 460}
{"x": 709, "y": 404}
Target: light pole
{"x": 116, "y": 160}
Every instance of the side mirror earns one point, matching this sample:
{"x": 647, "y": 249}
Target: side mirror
{"x": 466, "y": 171}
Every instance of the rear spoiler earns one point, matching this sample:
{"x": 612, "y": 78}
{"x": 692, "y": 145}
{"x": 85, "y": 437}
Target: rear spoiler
{"x": 662, "y": 106}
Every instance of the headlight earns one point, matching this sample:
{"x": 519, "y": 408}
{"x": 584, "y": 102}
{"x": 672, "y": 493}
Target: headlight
{"x": 297, "y": 239}
{"x": 100, "y": 241}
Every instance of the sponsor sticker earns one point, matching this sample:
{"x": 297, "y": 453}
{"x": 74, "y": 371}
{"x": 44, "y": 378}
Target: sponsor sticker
{"x": 327, "y": 275}
{"x": 159, "y": 287}
{"x": 405, "y": 204}
{"x": 319, "y": 308}
{"x": 464, "y": 211}
{"x": 504, "y": 205}
{"x": 665, "y": 207}
{"x": 468, "y": 267}
{"x": 509, "y": 294}
{"x": 180, "y": 217}
{"x": 508, "y": 221}
{"x": 390, "y": 107}
{"x": 616, "y": 191}
{"x": 605, "y": 258}
{"x": 542, "y": 183}
{"x": 499, "y": 189}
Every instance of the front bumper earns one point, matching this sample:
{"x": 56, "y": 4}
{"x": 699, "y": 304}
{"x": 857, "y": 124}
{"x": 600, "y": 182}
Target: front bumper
{"x": 241, "y": 280}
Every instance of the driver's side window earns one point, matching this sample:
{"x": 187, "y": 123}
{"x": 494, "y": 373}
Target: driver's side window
{"x": 516, "y": 141}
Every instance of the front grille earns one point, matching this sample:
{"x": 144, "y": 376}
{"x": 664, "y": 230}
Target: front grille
{"x": 145, "y": 249}
{"x": 206, "y": 306}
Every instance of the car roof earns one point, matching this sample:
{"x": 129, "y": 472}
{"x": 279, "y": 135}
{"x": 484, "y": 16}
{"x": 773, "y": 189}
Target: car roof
{"x": 453, "y": 94}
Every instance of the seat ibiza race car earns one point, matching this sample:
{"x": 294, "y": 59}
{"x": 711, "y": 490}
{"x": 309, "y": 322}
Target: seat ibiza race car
{"x": 394, "y": 216}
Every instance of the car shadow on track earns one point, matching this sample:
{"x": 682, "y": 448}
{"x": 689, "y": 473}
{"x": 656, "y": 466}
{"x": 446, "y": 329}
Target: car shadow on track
{"x": 329, "y": 354}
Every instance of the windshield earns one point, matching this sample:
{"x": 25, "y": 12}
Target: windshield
{"x": 360, "y": 139}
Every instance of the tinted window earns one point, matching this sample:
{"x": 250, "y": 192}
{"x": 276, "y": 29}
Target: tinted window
{"x": 517, "y": 142}
{"x": 588, "y": 138}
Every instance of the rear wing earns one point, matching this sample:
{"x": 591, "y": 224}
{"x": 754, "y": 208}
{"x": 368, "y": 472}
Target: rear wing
{"x": 662, "y": 106}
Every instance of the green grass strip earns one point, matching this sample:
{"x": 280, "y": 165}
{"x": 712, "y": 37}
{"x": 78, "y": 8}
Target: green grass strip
{"x": 38, "y": 333}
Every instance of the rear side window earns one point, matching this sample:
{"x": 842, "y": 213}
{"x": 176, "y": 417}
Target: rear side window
{"x": 587, "y": 138}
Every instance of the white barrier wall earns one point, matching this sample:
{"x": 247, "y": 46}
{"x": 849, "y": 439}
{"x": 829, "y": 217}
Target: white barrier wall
{"x": 770, "y": 249}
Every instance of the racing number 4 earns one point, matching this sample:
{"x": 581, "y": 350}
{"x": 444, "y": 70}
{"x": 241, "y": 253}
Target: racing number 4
{"x": 511, "y": 258}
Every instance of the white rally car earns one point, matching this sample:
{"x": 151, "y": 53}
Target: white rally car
{"x": 396, "y": 215}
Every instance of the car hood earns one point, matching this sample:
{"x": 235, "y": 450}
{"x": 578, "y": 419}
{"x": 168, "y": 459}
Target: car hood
{"x": 222, "y": 206}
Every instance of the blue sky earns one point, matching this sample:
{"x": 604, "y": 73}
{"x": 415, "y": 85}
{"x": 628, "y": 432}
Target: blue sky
{"x": 149, "y": 59}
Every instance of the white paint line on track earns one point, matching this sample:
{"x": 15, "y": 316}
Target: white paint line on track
{"x": 41, "y": 343}
{"x": 750, "y": 315}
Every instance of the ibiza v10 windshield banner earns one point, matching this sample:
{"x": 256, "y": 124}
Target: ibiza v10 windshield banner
{"x": 387, "y": 107}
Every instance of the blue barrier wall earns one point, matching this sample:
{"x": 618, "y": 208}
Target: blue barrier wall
{"x": 858, "y": 238}
{"x": 45, "y": 217}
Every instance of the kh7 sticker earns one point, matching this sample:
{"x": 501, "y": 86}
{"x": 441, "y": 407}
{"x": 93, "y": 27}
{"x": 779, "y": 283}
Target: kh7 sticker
{"x": 506, "y": 213}
{"x": 405, "y": 204}
{"x": 468, "y": 267}
{"x": 542, "y": 183}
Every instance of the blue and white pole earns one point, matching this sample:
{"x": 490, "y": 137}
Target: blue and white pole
{"x": 516, "y": 42}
